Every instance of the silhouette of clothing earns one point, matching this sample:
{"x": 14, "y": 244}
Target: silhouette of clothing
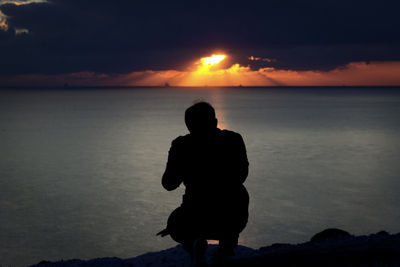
{"x": 213, "y": 168}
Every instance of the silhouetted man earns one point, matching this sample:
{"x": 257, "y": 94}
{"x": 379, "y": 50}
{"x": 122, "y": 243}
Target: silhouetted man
{"x": 212, "y": 164}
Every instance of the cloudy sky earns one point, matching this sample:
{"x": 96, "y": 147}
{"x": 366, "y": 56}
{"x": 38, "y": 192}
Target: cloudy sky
{"x": 117, "y": 42}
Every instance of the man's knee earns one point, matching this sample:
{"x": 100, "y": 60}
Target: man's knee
{"x": 175, "y": 225}
{"x": 182, "y": 225}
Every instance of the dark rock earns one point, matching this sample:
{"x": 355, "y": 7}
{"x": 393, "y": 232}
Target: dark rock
{"x": 275, "y": 246}
{"x": 345, "y": 250}
{"x": 44, "y": 262}
{"x": 331, "y": 233}
{"x": 382, "y": 233}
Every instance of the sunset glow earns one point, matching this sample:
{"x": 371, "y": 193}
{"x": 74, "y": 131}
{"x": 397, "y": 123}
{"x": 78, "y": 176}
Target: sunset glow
{"x": 210, "y": 61}
{"x": 205, "y": 65}
{"x": 206, "y": 72}
{"x": 353, "y": 74}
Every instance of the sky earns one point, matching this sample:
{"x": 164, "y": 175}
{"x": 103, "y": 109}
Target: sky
{"x": 151, "y": 43}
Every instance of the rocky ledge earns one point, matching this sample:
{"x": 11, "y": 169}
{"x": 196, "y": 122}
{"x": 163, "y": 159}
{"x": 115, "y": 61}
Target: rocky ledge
{"x": 331, "y": 247}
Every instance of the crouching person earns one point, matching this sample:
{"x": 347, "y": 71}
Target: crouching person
{"x": 212, "y": 164}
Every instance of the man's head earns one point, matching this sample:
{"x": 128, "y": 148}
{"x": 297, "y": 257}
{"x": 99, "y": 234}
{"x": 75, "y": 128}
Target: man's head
{"x": 200, "y": 118}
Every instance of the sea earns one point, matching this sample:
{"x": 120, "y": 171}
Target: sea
{"x": 80, "y": 169}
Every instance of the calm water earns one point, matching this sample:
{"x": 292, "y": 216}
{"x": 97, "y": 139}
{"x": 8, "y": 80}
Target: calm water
{"x": 80, "y": 170}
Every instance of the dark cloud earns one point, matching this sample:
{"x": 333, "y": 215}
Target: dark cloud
{"x": 124, "y": 36}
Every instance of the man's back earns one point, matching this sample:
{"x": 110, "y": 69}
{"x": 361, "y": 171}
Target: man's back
{"x": 212, "y": 169}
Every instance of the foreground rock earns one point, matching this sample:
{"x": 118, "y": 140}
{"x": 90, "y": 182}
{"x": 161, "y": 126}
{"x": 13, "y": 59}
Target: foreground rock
{"x": 332, "y": 247}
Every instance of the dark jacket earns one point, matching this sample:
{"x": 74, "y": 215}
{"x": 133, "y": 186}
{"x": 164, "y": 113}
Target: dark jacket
{"x": 213, "y": 170}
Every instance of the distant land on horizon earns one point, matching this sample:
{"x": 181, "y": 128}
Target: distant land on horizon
{"x": 193, "y": 87}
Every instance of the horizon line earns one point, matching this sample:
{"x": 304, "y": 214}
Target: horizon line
{"x": 191, "y": 87}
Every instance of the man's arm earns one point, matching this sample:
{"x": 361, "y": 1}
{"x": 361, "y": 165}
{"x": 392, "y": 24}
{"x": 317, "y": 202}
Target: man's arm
{"x": 242, "y": 164}
{"x": 171, "y": 178}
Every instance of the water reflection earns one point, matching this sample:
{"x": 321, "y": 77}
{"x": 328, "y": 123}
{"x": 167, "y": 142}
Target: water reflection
{"x": 218, "y": 102}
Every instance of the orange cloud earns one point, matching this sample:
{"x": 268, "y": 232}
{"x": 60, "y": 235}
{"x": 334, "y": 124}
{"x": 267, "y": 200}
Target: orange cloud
{"x": 252, "y": 58}
{"x": 21, "y": 2}
{"x": 3, "y": 22}
{"x": 3, "y": 17}
{"x": 353, "y": 74}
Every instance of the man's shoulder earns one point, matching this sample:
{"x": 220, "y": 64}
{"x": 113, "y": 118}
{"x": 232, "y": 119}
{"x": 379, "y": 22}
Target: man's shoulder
{"x": 230, "y": 134}
{"x": 180, "y": 140}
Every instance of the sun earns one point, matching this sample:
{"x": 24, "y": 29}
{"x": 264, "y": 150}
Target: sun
{"x": 206, "y": 64}
{"x": 210, "y": 61}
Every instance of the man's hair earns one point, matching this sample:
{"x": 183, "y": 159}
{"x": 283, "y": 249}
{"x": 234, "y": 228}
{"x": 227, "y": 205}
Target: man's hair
{"x": 200, "y": 117}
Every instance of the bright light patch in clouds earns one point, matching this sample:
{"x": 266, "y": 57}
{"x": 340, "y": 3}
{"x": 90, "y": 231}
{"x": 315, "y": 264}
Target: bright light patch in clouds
{"x": 3, "y": 17}
{"x": 21, "y": 2}
{"x": 3, "y": 21}
{"x": 214, "y": 59}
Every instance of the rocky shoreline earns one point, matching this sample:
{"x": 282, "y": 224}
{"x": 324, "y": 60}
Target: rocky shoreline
{"x": 331, "y": 247}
